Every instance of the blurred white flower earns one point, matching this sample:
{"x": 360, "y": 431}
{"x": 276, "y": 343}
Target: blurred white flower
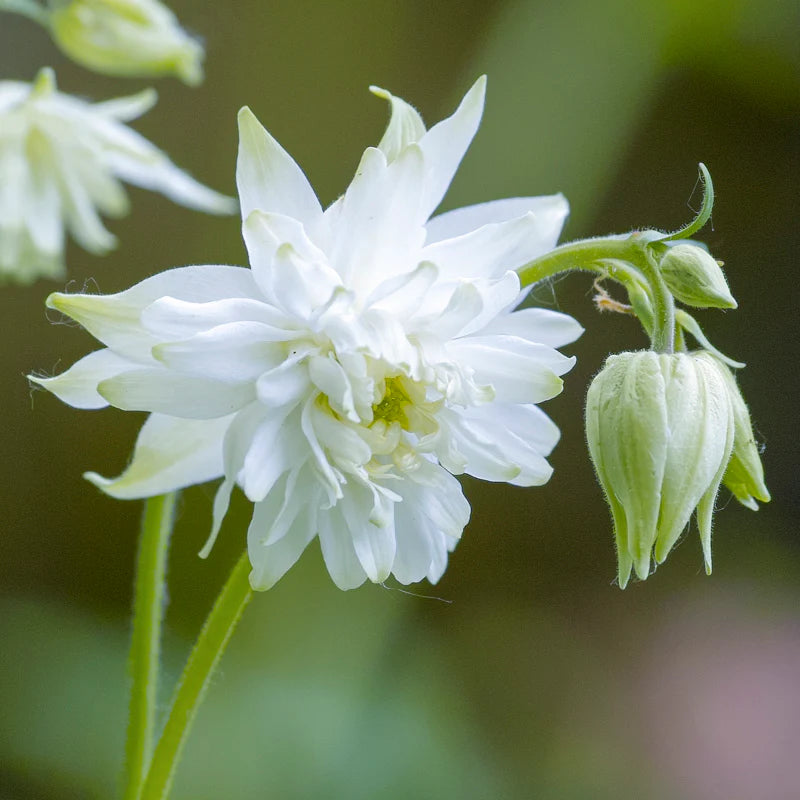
{"x": 61, "y": 161}
{"x": 364, "y": 359}
{"x": 125, "y": 37}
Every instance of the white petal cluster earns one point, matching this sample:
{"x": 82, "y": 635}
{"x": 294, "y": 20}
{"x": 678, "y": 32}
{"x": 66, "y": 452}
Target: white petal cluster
{"x": 62, "y": 161}
{"x": 125, "y": 37}
{"x": 366, "y": 357}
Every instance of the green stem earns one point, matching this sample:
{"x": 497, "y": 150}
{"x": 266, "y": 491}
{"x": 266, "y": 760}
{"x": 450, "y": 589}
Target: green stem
{"x": 663, "y": 337}
{"x": 208, "y": 649}
{"x": 598, "y": 255}
{"x": 148, "y": 609}
{"x": 28, "y": 8}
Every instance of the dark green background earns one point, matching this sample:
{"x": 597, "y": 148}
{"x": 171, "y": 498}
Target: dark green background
{"x": 537, "y": 678}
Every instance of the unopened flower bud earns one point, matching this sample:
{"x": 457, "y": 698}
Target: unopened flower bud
{"x": 126, "y": 37}
{"x": 660, "y": 433}
{"x": 745, "y": 474}
{"x": 695, "y": 277}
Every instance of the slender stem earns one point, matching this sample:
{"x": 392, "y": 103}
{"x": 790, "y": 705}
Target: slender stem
{"x": 208, "y": 649}
{"x": 663, "y": 336}
{"x": 148, "y": 609}
{"x": 28, "y": 8}
{"x": 599, "y": 255}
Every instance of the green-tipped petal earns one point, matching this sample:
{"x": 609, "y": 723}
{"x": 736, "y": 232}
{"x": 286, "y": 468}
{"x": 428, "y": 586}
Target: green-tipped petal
{"x": 405, "y": 125}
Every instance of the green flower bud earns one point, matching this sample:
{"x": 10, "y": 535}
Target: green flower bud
{"x": 745, "y": 474}
{"x": 660, "y": 433}
{"x": 695, "y": 278}
{"x": 126, "y": 37}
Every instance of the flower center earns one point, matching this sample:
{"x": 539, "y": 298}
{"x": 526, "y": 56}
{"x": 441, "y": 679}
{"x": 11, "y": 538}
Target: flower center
{"x": 392, "y": 408}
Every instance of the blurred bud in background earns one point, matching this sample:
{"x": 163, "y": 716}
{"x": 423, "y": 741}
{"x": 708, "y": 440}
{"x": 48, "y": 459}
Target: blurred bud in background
{"x": 126, "y": 38}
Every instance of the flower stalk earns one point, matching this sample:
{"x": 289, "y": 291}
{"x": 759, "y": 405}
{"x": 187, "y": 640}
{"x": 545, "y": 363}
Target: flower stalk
{"x": 629, "y": 261}
{"x": 192, "y": 686}
{"x": 143, "y": 660}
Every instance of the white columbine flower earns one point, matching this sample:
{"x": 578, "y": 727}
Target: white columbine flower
{"x": 366, "y": 357}
{"x": 125, "y": 37}
{"x": 61, "y": 162}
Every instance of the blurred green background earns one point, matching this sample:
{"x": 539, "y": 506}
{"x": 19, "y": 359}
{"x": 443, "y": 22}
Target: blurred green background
{"x": 537, "y": 677}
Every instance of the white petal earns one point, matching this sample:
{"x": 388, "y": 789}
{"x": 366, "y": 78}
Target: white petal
{"x": 445, "y": 144}
{"x": 401, "y": 294}
{"x": 277, "y": 446}
{"x": 78, "y": 385}
{"x": 405, "y": 125}
{"x": 179, "y": 319}
{"x": 170, "y": 454}
{"x": 374, "y": 545}
{"x": 519, "y": 371}
{"x": 536, "y": 325}
{"x": 300, "y": 287}
{"x": 338, "y": 551}
{"x": 497, "y": 296}
{"x": 265, "y": 234}
{"x": 428, "y": 523}
{"x": 161, "y": 175}
{"x": 80, "y": 215}
{"x": 550, "y": 211}
{"x": 272, "y": 561}
{"x": 268, "y": 177}
{"x": 285, "y": 384}
{"x": 125, "y": 109}
{"x": 505, "y": 443}
{"x": 236, "y": 351}
{"x": 330, "y": 378}
{"x": 165, "y": 392}
{"x": 379, "y": 228}
{"x": 491, "y": 250}
{"x": 115, "y": 319}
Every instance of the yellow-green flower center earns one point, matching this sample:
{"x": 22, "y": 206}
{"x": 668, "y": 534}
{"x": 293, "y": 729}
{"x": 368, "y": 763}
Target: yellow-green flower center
{"x": 392, "y": 407}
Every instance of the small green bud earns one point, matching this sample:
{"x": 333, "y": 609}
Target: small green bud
{"x": 695, "y": 277}
{"x": 126, "y": 37}
{"x": 745, "y": 473}
{"x": 660, "y": 433}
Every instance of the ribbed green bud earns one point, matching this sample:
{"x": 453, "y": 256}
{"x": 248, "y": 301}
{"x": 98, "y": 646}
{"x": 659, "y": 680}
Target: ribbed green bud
{"x": 745, "y": 473}
{"x": 695, "y": 278}
{"x": 660, "y": 433}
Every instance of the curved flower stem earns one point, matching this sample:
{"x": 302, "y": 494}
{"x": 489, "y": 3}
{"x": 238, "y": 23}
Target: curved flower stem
{"x": 148, "y": 609}
{"x": 28, "y": 8}
{"x": 208, "y": 649}
{"x": 599, "y": 255}
{"x": 663, "y": 336}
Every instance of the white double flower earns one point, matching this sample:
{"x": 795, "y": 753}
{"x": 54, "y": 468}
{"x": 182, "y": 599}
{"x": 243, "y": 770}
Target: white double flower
{"x": 366, "y": 357}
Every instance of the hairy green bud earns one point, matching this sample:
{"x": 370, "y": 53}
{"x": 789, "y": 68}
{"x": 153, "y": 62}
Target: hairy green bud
{"x": 695, "y": 277}
{"x": 660, "y": 430}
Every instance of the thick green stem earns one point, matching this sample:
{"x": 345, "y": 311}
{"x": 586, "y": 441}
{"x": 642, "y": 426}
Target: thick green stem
{"x": 219, "y": 626}
{"x": 143, "y": 661}
{"x": 585, "y": 254}
{"x": 635, "y": 263}
{"x": 28, "y": 8}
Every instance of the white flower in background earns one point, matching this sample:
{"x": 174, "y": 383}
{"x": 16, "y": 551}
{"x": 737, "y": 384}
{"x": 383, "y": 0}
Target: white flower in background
{"x": 61, "y": 162}
{"x": 125, "y": 37}
{"x": 366, "y": 357}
